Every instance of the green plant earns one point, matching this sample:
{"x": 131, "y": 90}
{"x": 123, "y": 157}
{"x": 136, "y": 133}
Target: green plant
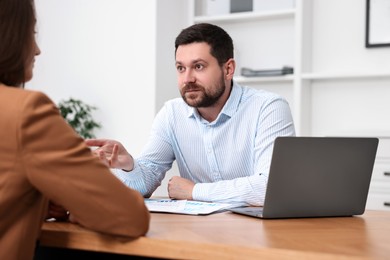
{"x": 79, "y": 115}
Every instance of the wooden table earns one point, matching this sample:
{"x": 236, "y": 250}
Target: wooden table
{"x": 231, "y": 236}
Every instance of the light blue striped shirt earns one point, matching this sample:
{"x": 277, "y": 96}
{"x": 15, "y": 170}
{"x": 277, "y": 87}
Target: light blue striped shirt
{"x": 228, "y": 158}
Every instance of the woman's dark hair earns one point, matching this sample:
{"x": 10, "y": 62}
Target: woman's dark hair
{"x": 17, "y": 25}
{"x": 219, "y": 40}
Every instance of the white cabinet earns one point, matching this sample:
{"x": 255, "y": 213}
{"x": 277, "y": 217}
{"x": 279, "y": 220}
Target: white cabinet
{"x": 338, "y": 87}
{"x": 379, "y": 195}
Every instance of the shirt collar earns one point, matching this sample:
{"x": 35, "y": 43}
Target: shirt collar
{"x": 233, "y": 101}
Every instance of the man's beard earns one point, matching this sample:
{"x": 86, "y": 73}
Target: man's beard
{"x": 202, "y": 98}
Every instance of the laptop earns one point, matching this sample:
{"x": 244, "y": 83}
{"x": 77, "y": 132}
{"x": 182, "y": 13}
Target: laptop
{"x": 317, "y": 177}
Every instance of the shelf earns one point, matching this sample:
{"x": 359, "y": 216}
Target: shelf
{"x": 247, "y": 16}
{"x": 313, "y": 76}
{"x": 336, "y": 76}
{"x": 241, "y": 79}
{"x": 365, "y": 133}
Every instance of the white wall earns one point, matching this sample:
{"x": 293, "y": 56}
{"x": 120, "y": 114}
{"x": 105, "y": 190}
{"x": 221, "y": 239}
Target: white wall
{"x": 171, "y": 19}
{"x": 347, "y": 106}
{"x": 103, "y": 52}
{"x": 339, "y": 39}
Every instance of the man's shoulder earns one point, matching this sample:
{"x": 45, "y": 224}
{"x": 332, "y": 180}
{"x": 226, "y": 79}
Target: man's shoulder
{"x": 176, "y": 106}
{"x": 259, "y": 94}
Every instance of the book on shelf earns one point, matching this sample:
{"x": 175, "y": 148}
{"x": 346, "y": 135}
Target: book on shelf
{"x": 247, "y": 72}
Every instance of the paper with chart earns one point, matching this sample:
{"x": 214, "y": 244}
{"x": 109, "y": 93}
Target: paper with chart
{"x": 190, "y": 207}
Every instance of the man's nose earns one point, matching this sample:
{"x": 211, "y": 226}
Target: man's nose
{"x": 189, "y": 76}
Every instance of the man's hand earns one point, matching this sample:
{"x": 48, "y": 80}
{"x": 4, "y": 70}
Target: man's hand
{"x": 180, "y": 188}
{"x": 112, "y": 153}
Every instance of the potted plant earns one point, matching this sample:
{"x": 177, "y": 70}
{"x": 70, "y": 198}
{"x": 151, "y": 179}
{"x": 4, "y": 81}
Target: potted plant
{"x": 79, "y": 115}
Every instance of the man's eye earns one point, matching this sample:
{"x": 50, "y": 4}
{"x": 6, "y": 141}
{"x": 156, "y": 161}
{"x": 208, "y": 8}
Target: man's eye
{"x": 199, "y": 66}
{"x": 179, "y": 68}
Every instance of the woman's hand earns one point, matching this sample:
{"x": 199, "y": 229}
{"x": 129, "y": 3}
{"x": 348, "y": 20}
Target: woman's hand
{"x": 57, "y": 211}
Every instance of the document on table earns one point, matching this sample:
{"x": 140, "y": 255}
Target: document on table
{"x": 189, "y": 207}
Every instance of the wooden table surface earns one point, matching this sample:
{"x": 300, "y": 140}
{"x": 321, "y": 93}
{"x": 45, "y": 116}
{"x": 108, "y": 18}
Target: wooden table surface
{"x": 232, "y": 236}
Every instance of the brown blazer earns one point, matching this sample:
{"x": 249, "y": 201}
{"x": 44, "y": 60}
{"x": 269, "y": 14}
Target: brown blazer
{"x": 41, "y": 159}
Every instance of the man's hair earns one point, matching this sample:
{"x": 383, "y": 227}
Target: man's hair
{"x": 17, "y": 24}
{"x": 221, "y": 44}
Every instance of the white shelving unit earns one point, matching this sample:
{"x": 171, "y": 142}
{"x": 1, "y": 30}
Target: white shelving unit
{"x": 337, "y": 76}
{"x": 339, "y": 87}
{"x": 246, "y": 16}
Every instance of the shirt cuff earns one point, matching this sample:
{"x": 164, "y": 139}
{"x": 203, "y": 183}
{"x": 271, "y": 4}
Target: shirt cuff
{"x": 131, "y": 179}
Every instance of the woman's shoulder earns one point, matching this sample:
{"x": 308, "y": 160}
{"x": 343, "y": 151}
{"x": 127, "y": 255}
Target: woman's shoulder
{"x": 18, "y": 99}
{"x": 21, "y": 92}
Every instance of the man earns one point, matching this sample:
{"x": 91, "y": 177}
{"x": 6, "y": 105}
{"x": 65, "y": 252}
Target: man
{"x": 220, "y": 133}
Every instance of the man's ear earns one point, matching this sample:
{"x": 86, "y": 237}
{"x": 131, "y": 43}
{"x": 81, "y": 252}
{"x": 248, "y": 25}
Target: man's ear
{"x": 230, "y": 67}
